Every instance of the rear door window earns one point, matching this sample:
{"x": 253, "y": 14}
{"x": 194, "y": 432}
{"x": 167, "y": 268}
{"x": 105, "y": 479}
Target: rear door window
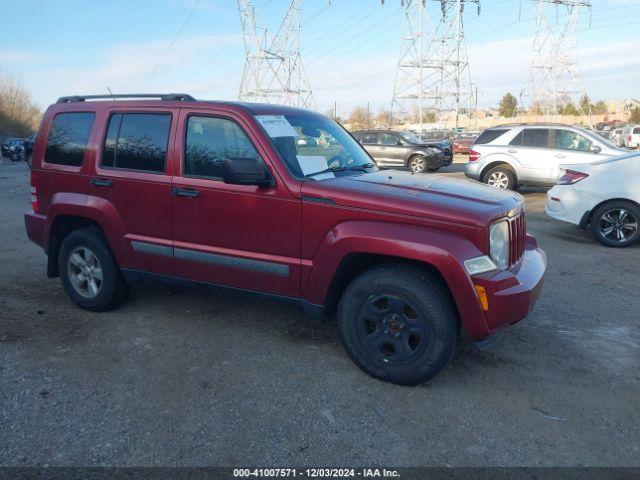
{"x": 68, "y": 138}
{"x": 388, "y": 139}
{"x": 532, "y": 137}
{"x": 137, "y": 141}
{"x": 370, "y": 139}
{"x": 489, "y": 136}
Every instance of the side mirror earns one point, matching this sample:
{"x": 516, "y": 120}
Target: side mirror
{"x": 595, "y": 149}
{"x": 399, "y": 143}
{"x": 246, "y": 171}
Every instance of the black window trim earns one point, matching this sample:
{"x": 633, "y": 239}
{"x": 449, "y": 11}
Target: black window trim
{"x": 86, "y": 148}
{"x": 184, "y": 144}
{"x": 106, "y": 132}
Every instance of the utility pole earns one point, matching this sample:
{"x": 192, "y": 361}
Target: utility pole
{"x": 432, "y": 74}
{"x": 273, "y": 70}
{"x": 554, "y": 80}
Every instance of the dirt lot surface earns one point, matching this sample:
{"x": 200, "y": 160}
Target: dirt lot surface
{"x": 180, "y": 376}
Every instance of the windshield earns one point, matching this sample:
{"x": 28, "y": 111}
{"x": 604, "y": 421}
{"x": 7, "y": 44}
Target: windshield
{"x": 314, "y": 146}
{"x": 410, "y": 137}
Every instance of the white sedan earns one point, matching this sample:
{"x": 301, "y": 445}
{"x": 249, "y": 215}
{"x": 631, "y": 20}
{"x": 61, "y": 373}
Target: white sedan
{"x": 603, "y": 196}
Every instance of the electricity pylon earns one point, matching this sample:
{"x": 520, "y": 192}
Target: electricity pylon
{"x": 432, "y": 76}
{"x": 273, "y": 70}
{"x": 554, "y": 80}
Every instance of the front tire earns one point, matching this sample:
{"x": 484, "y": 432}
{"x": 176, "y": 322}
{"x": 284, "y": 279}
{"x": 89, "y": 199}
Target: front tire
{"x": 500, "y": 177}
{"x": 398, "y": 324}
{"x": 417, "y": 164}
{"x": 88, "y": 271}
{"x": 615, "y": 224}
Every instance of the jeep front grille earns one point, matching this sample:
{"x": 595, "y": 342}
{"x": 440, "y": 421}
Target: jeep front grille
{"x": 517, "y": 234}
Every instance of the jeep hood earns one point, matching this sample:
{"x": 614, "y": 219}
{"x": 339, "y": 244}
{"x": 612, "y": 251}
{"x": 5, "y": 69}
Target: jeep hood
{"x": 429, "y": 196}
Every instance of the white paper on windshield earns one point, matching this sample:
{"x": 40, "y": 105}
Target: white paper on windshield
{"x": 276, "y": 126}
{"x": 311, "y": 164}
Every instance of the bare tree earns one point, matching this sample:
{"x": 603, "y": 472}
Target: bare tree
{"x": 19, "y": 115}
{"x": 358, "y": 118}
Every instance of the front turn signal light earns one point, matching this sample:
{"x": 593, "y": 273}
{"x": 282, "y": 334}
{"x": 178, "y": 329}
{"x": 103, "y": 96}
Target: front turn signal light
{"x": 482, "y": 296}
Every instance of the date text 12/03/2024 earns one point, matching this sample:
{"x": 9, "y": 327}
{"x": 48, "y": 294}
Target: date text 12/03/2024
{"x": 315, "y": 473}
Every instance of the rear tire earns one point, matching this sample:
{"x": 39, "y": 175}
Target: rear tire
{"x": 500, "y": 177}
{"x": 616, "y": 223}
{"x": 398, "y": 324}
{"x": 89, "y": 272}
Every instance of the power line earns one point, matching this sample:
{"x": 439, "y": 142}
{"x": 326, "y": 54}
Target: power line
{"x": 164, "y": 54}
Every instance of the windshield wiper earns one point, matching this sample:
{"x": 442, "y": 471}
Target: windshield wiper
{"x": 361, "y": 168}
{"x": 326, "y": 170}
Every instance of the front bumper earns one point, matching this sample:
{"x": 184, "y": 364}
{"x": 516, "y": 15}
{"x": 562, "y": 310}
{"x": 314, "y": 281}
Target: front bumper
{"x": 439, "y": 160}
{"x": 512, "y": 294}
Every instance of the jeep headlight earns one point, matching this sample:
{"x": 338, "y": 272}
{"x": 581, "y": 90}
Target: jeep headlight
{"x": 499, "y": 243}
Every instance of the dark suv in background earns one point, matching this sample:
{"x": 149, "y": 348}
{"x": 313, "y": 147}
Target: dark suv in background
{"x": 403, "y": 149}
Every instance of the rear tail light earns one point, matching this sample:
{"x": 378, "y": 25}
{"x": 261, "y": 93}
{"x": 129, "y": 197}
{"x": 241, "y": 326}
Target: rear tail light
{"x": 473, "y": 155}
{"x": 34, "y": 192}
{"x": 629, "y": 139}
{"x": 570, "y": 177}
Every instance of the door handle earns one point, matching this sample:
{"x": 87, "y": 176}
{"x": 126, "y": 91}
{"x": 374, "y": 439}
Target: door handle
{"x": 101, "y": 182}
{"x": 511, "y": 150}
{"x": 185, "y": 192}
{"x": 559, "y": 155}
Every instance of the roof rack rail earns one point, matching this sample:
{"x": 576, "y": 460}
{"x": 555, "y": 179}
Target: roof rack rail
{"x": 176, "y": 97}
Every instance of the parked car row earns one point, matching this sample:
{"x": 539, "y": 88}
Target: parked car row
{"x": 629, "y": 137}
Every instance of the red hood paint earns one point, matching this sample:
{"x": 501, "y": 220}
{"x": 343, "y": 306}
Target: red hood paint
{"x": 427, "y": 196}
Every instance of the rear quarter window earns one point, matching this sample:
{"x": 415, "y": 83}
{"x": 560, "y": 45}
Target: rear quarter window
{"x": 532, "y": 137}
{"x": 68, "y": 138}
{"x": 636, "y": 131}
{"x": 489, "y": 136}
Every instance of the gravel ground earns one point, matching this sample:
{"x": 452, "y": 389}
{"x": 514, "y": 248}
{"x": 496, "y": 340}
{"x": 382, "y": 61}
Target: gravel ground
{"x": 181, "y": 376}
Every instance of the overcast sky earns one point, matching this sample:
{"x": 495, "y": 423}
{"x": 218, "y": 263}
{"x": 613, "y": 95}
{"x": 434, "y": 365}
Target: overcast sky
{"x": 349, "y": 48}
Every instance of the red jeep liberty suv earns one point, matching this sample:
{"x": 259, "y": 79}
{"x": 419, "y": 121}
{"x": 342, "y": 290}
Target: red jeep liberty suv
{"x": 235, "y": 195}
